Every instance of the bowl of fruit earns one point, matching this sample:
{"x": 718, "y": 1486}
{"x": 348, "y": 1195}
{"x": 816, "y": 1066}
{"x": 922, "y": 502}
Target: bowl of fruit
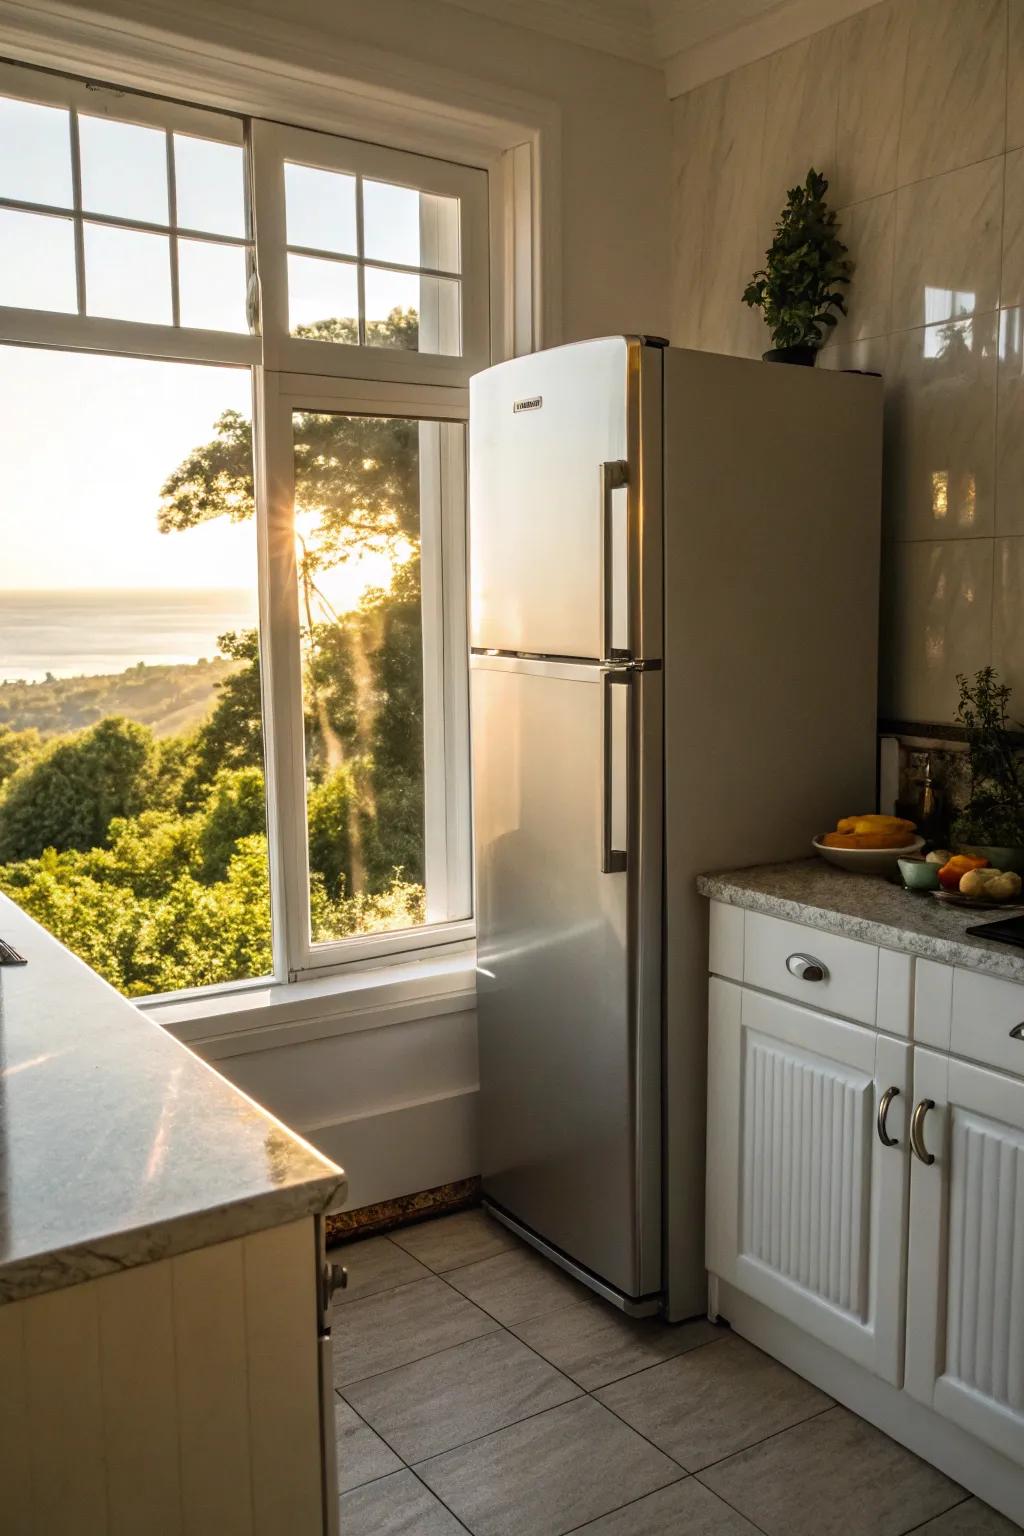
{"x": 967, "y": 880}
{"x": 869, "y": 844}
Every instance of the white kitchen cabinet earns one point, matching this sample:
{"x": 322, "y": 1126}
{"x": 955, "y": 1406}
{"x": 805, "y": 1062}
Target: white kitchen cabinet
{"x": 806, "y": 1203}
{"x": 965, "y": 1293}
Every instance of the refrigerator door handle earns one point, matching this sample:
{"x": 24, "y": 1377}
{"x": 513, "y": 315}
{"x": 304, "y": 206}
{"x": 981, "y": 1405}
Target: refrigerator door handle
{"x": 614, "y": 476}
{"x": 613, "y": 860}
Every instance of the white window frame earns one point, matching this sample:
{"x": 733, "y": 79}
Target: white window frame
{"x": 513, "y": 137}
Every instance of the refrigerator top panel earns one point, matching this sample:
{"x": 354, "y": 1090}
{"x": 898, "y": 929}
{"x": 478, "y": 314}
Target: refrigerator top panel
{"x": 554, "y": 484}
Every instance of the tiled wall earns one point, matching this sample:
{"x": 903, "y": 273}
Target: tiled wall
{"x": 905, "y": 108}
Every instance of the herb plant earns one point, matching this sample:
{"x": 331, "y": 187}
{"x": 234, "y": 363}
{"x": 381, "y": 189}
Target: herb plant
{"x": 994, "y": 814}
{"x": 806, "y": 268}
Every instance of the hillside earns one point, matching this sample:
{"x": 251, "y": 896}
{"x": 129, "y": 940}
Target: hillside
{"x": 169, "y": 699}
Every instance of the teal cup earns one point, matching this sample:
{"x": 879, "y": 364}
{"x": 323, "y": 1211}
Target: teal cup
{"x": 919, "y": 875}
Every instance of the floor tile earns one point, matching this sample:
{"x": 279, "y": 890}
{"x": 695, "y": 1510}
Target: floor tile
{"x": 362, "y": 1455}
{"x": 595, "y": 1343}
{"x": 396, "y": 1506}
{"x": 971, "y": 1518}
{"x": 451, "y": 1241}
{"x": 712, "y": 1402}
{"x": 548, "y": 1474}
{"x": 684, "y": 1509}
{"x": 373, "y": 1265}
{"x": 833, "y": 1476}
{"x": 517, "y": 1285}
{"x": 377, "y": 1333}
{"x": 459, "y": 1395}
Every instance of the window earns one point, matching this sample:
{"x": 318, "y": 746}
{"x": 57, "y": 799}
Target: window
{"x": 233, "y": 369}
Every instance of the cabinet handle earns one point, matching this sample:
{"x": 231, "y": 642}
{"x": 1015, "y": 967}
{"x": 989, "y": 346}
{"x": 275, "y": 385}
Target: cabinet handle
{"x": 806, "y": 968}
{"x": 1017, "y": 1032}
{"x": 917, "y": 1131}
{"x": 883, "y": 1111}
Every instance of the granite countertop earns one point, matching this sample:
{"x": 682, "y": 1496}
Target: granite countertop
{"x": 118, "y": 1146}
{"x": 866, "y": 907}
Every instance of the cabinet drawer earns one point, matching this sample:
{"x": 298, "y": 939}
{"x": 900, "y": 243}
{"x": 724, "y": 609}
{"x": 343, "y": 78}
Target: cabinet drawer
{"x": 985, "y": 1011}
{"x": 848, "y": 981}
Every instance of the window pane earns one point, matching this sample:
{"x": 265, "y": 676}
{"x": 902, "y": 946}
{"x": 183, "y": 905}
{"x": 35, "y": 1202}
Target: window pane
{"x": 124, "y": 169}
{"x": 357, "y": 513}
{"x": 35, "y": 153}
{"x": 415, "y": 229}
{"x": 323, "y": 299}
{"x": 211, "y": 285}
{"x": 320, "y": 208}
{"x": 209, "y": 185}
{"x": 127, "y": 274}
{"x": 420, "y": 314}
{"x": 37, "y": 262}
{"x": 129, "y": 667}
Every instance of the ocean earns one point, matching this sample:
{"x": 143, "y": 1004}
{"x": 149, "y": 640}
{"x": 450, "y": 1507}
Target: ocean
{"x": 92, "y": 632}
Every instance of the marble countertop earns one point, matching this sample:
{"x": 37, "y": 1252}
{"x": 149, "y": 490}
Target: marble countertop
{"x": 118, "y": 1146}
{"x": 866, "y": 907}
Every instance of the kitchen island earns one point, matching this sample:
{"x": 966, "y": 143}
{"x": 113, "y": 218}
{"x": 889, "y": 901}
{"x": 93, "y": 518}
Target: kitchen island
{"x": 160, "y": 1275}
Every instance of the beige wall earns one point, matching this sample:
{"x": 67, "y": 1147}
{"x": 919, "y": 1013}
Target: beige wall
{"x": 905, "y": 108}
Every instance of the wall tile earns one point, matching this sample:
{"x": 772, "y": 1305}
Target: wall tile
{"x": 940, "y": 429}
{"x": 869, "y": 230}
{"x": 948, "y": 242}
{"x": 1015, "y": 73}
{"x": 936, "y": 621}
{"x": 1010, "y": 424}
{"x": 954, "y": 103}
{"x": 1011, "y": 289}
{"x": 800, "y": 120}
{"x": 1008, "y": 617}
{"x": 873, "y": 55}
{"x": 718, "y": 142}
{"x": 868, "y": 356}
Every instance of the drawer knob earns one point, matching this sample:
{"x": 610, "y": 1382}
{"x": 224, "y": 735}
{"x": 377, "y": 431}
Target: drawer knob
{"x": 917, "y": 1132}
{"x": 806, "y": 968}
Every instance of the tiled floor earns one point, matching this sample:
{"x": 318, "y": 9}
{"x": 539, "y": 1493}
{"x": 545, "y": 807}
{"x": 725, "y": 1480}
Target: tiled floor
{"x": 482, "y": 1390}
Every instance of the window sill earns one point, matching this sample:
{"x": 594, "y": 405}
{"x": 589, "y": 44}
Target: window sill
{"x": 273, "y": 1014}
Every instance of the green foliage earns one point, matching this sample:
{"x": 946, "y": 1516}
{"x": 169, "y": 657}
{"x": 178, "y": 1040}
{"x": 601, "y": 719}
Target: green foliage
{"x": 68, "y": 795}
{"x": 994, "y": 814}
{"x": 144, "y": 850}
{"x": 806, "y": 269}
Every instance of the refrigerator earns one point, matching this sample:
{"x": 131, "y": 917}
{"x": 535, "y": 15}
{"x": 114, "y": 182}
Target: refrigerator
{"x": 673, "y": 632}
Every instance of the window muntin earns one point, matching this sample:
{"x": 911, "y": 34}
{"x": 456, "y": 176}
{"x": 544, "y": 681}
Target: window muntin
{"x": 190, "y": 306}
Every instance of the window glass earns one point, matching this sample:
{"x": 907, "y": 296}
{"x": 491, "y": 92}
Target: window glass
{"x": 35, "y": 153}
{"x": 37, "y": 261}
{"x": 209, "y": 185}
{"x": 320, "y": 209}
{"x": 323, "y": 299}
{"x": 211, "y": 285}
{"x": 124, "y": 169}
{"x": 357, "y": 518}
{"x": 127, "y": 274}
{"x": 132, "y": 820}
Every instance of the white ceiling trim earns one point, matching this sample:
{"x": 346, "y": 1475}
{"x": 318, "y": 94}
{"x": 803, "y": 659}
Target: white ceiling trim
{"x": 753, "y": 39}
{"x": 621, "y": 27}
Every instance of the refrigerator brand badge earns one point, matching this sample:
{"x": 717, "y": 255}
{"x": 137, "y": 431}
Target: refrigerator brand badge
{"x": 534, "y": 403}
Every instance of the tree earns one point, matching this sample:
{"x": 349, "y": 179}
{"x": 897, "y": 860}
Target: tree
{"x": 69, "y": 795}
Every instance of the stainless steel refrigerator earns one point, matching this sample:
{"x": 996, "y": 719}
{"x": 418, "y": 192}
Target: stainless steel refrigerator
{"x": 674, "y": 564}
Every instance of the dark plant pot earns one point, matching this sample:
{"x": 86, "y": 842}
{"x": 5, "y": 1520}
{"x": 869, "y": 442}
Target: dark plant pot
{"x": 806, "y": 356}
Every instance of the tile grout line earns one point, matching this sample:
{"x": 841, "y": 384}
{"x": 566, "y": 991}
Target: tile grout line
{"x": 776, "y": 1434}
{"x": 922, "y": 1524}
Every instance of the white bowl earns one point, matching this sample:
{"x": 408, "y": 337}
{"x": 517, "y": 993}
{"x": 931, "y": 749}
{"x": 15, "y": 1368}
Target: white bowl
{"x": 867, "y": 861}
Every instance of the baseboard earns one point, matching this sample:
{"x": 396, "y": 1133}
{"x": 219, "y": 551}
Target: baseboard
{"x": 391, "y": 1154}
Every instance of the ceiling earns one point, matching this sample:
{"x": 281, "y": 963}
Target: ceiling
{"x": 692, "y": 40}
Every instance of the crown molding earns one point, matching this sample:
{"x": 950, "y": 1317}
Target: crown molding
{"x": 624, "y": 28}
{"x": 753, "y": 39}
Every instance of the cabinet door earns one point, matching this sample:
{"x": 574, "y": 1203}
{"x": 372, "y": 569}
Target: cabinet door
{"x": 965, "y": 1295}
{"x": 806, "y": 1206}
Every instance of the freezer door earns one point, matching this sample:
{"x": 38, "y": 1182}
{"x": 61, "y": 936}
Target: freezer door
{"x": 560, "y": 443}
{"x": 567, "y": 772}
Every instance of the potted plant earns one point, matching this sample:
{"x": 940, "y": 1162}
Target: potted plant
{"x": 991, "y": 824}
{"x": 806, "y": 268}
